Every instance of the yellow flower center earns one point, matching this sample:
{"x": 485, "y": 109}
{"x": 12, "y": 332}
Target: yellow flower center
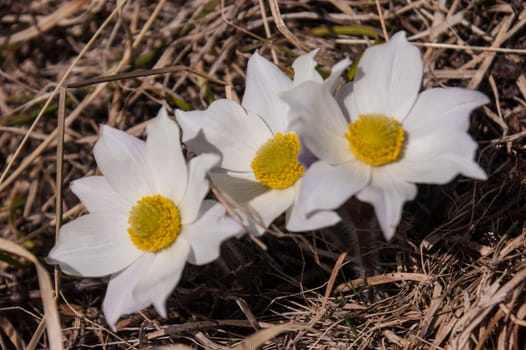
{"x": 154, "y": 223}
{"x": 375, "y": 139}
{"x": 276, "y": 162}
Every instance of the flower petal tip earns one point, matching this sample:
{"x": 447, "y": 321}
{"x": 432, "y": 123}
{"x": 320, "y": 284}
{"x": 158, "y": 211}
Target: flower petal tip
{"x": 162, "y": 119}
{"x": 311, "y": 54}
{"x": 104, "y": 129}
{"x": 389, "y": 232}
{"x": 50, "y": 260}
{"x": 399, "y": 36}
{"x": 477, "y": 173}
{"x": 484, "y": 100}
{"x": 163, "y": 113}
{"x": 160, "y": 307}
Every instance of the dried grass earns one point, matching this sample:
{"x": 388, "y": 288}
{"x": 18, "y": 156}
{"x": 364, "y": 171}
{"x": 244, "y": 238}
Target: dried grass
{"x": 454, "y": 278}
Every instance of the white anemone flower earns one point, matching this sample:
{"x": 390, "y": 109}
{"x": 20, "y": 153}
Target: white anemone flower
{"x": 382, "y": 136}
{"x": 147, "y": 218}
{"x": 259, "y": 165}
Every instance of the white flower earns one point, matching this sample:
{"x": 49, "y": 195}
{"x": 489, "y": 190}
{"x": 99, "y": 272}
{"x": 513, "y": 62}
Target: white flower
{"x": 147, "y": 218}
{"x": 384, "y": 136}
{"x": 259, "y": 153}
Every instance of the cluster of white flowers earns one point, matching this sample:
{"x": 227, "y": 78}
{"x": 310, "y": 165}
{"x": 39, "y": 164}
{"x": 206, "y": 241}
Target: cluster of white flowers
{"x": 297, "y": 146}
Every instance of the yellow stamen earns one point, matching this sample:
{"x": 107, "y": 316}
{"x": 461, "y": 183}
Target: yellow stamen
{"x": 376, "y": 139}
{"x": 275, "y": 164}
{"x": 154, "y": 223}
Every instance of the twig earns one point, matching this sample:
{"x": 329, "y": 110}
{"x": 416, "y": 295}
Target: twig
{"x": 274, "y": 8}
{"x": 382, "y": 20}
{"x": 4, "y": 183}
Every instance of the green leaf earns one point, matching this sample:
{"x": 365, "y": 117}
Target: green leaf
{"x": 353, "y": 30}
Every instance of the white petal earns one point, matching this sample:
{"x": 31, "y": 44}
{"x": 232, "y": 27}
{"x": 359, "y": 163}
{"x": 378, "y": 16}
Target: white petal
{"x": 437, "y": 158}
{"x": 198, "y": 186}
{"x": 388, "y": 78}
{"x": 158, "y": 281}
{"x": 332, "y": 81}
{"x": 224, "y": 128}
{"x": 119, "y": 299}
{"x": 318, "y": 119}
{"x": 387, "y": 194}
{"x": 306, "y": 157}
{"x": 263, "y": 83}
{"x": 240, "y": 189}
{"x": 345, "y": 99}
{"x": 298, "y": 221}
{"x": 122, "y": 159}
{"x": 206, "y": 234}
{"x": 268, "y": 207}
{"x": 94, "y": 245}
{"x": 327, "y": 187}
{"x": 97, "y": 195}
{"x": 305, "y": 68}
{"x": 443, "y": 108}
{"x": 166, "y": 162}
